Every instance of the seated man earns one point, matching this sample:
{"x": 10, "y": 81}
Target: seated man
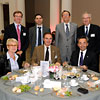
{"x": 46, "y": 52}
{"x": 84, "y": 58}
{"x": 87, "y": 60}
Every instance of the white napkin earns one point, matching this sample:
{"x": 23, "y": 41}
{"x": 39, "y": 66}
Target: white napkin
{"x": 51, "y": 84}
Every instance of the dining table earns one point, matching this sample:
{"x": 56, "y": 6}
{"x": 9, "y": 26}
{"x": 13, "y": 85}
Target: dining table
{"x": 6, "y": 87}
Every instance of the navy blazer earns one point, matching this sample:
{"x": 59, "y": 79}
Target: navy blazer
{"x": 90, "y": 60}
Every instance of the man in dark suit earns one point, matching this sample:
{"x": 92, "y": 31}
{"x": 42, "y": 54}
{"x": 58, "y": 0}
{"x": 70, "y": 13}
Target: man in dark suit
{"x": 40, "y": 52}
{"x": 19, "y": 32}
{"x": 91, "y": 31}
{"x": 84, "y": 58}
{"x": 38, "y": 30}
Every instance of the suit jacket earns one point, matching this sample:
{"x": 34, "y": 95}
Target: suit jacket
{"x": 10, "y": 32}
{"x": 89, "y": 60}
{"x": 33, "y": 35}
{"x": 93, "y": 36}
{"x": 5, "y": 65}
{"x": 65, "y": 43}
{"x": 38, "y": 54}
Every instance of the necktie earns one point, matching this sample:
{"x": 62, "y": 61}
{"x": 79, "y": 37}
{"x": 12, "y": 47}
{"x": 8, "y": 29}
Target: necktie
{"x": 39, "y": 36}
{"x": 47, "y": 54}
{"x": 19, "y": 41}
{"x": 86, "y": 31}
{"x": 81, "y": 59}
{"x": 67, "y": 30}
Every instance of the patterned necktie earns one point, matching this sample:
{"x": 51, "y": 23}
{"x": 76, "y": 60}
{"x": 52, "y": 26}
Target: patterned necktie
{"x": 47, "y": 54}
{"x": 19, "y": 41}
{"x": 86, "y": 31}
{"x": 81, "y": 59}
{"x": 39, "y": 36}
{"x": 67, "y": 30}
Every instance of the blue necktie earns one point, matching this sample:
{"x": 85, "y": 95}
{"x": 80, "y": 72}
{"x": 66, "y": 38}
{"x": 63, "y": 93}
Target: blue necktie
{"x": 39, "y": 36}
{"x": 81, "y": 59}
{"x": 67, "y": 30}
{"x": 86, "y": 31}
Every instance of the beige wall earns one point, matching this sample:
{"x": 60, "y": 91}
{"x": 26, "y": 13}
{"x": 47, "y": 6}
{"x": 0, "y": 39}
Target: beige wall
{"x": 38, "y": 6}
{"x": 91, "y": 6}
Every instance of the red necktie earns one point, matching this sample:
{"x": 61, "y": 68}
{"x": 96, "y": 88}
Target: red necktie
{"x": 19, "y": 41}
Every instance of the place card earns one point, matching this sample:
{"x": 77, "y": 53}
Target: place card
{"x": 45, "y": 68}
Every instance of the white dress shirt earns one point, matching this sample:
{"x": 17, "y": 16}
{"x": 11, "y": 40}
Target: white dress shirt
{"x": 84, "y": 52}
{"x": 49, "y": 49}
{"x": 37, "y": 34}
{"x": 88, "y": 28}
{"x": 68, "y": 26}
{"x": 16, "y": 26}
{"x": 14, "y": 63}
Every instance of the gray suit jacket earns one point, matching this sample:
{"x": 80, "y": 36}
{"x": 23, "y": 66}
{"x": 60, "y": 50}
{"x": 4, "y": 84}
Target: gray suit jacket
{"x": 32, "y": 37}
{"x": 65, "y": 43}
{"x": 38, "y": 54}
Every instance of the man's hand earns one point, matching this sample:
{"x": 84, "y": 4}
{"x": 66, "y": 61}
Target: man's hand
{"x": 84, "y": 67}
{"x": 57, "y": 63}
{"x": 65, "y": 63}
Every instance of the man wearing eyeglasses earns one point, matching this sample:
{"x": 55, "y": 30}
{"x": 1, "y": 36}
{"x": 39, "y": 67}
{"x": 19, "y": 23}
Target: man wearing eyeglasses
{"x": 66, "y": 36}
{"x": 19, "y": 32}
{"x": 46, "y": 52}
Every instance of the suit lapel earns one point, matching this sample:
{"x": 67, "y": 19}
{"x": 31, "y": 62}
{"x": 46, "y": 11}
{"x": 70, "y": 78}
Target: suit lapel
{"x": 63, "y": 29}
{"x": 85, "y": 58}
{"x": 52, "y": 53}
{"x": 42, "y": 52}
{"x": 14, "y": 30}
{"x": 90, "y": 30}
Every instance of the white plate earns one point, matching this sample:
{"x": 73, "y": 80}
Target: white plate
{"x": 75, "y": 84}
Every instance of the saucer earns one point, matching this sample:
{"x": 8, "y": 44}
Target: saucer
{"x": 75, "y": 84}
{"x": 85, "y": 79}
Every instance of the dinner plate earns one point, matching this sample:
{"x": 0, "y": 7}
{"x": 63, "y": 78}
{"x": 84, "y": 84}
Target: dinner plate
{"x": 75, "y": 84}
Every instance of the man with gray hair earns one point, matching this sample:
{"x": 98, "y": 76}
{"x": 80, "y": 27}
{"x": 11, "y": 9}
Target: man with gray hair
{"x": 92, "y": 32}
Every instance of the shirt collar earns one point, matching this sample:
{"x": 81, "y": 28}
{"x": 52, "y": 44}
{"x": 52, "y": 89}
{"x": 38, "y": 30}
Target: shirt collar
{"x": 46, "y": 46}
{"x": 39, "y": 26}
{"x": 87, "y": 26}
{"x": 67, "y": 23}
{"x": 8, "y": 56}
{"x": 84, "y": 51}
{"x": 17, "y": 24}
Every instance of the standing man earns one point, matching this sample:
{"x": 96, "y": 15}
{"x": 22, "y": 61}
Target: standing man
{"x": 19, "y": 32}
{"x": 66, "y": 36}
{"x": 91, "y": 31}
{"x": 36, "y": 33}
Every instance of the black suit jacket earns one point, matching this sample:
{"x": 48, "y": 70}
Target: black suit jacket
{"x": 93, "y": 36}
{"x": 32, "y": 37}
{"x": 10, "y": 32}
{"x": 89, "y": 60}
{"x": 5, "y": 65}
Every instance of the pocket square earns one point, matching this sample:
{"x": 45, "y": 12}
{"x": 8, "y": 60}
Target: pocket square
{"x": 56, "y": 57}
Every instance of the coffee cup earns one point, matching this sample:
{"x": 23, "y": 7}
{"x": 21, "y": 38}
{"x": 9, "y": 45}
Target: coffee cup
{"x": 73, "y": 82}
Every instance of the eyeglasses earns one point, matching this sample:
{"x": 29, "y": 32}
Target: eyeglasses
{"x": 19, "y": 16}
{"x": 12, "y": 45}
